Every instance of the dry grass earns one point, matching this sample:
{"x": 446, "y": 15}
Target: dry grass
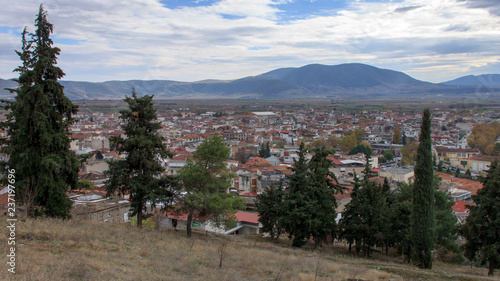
{"x": 88, "y": 250}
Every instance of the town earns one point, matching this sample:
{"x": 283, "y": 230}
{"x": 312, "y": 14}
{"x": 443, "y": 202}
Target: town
{"x": 280, "y": 129}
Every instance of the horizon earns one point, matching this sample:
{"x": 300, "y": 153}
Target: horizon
{"x": 190, "y": 41}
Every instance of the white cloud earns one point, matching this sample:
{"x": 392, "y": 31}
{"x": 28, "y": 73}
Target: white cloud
{"x": 230, "y": 39}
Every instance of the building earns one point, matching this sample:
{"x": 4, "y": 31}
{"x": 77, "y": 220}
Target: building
{"x": 398, "y": 174}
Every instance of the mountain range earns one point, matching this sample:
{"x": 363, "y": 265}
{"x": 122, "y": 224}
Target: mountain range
{"x": 352, "y": 80}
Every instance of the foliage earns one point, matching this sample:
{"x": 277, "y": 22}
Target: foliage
{"x": 85, "y": 185}
{"x": 265, "y": 151}
{"x": 206, "y": 181}
{"x": 388, "y": 155}
{"x": 310, "y": 203}
{"x": 148, "y": 224}
{"x": 353, "y": 139}
{"x": 363, "y": 147}
{"x": 409, "y": 153}
{"x": 446, "y": 229}
{"x": 327, "y": 144}
{"x": 482, "y": 225}
{"x": 422, "y": 219}
{"x": 483, "y": 137}
{"x": 141, "y": 174}
{"x": 364, "y": 221}
{"x": 270, "y": 209}
{"x": 37, "y": 127}
{"x": 396, "y": 137}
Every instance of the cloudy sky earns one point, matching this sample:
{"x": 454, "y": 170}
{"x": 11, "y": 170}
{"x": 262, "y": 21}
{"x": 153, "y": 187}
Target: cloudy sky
{"x": 190, "y": 40}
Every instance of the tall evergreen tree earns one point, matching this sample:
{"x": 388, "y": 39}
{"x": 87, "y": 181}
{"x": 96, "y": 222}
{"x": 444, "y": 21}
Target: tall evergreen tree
{"x": 37, "y": 126}
{"x": 271, "y": 212}
{"x": 364, "y": 220}
{"x": 322, "y": 189}
{"x": 297, "y": 203}
{"x": 141, "y": 174}
{"x": 310, "y": 203}
{"x": 481, "y": 229}
{"x": 350, "y": 223}
{"x": 422, "y": 219}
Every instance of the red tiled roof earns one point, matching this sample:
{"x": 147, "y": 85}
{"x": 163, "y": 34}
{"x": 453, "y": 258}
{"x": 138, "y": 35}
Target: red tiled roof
{"x": 461, "y": 206}
{"x": 465, "y": 184}
{"x": 247, "y": 217}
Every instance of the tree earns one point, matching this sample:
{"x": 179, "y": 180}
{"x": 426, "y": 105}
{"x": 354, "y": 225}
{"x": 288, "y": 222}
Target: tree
{"x": 422, "y": 219}
{"x": 409, "y": 153}
{"x": 399, "y": 215}
{"x": 295, "y": 222}
{"x": 482, "y": 225}
{"x": 351, "y": 221}
{"x": 265, "y": 151}
{"x": 322, "y": 189}
{"x": 348, "y": 142}
{"x": 364, "y": 220}
{"x": 38, "y": 142}
{"x": 388, "y": 155}
{"x": 445, "y": 233}
{"x": 310, "y": 203}
{"x": 206, "y": 181}
{"x": 271, "y": 211}
{"x": 396, "y": 137}
{"x": 140, "y": 174}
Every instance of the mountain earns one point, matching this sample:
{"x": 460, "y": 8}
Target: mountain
{"x": 352, "y": 80}
{"x": 486, "y": 80}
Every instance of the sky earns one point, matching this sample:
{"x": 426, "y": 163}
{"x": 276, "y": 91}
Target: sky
{"x": 192, "y": 40}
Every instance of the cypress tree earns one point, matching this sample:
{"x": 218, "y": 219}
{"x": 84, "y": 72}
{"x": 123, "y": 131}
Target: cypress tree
{"x": 422, "y": 219}
{"x": 37, "y": 126}
{"x": 141, "y": 174}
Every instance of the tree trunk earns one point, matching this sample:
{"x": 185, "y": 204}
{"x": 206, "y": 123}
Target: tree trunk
{"x": 491, "y": 268}
{"x": 189, "y": 221}
{"x": 139, "y": 219}
{"x": 350, "y": 245}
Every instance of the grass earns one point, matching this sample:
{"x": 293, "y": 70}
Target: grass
{"x": 50, "y": 249}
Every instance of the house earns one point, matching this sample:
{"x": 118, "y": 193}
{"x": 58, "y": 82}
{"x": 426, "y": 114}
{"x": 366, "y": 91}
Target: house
{"x": 455, "y": 157}
{"x": 95, "y": 205}
{"x": 398, "y": 174}
{"x": 461, "y": 211}
{"x": 480, "y": 163}
{"x": 247, "y": 223}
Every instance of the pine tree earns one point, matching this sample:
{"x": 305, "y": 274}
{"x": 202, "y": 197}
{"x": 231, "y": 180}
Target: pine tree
{"x": 321, "y": 193}
{"x": 399, "y": 215}
{"x": 310, "y": 203}
{"x": 481, "y": 229}
{"x": 141, "y": 174}
{"x": 270, "y": 209}
{"x": 297, "y": 204}
{"x": 422, "y": 219}
{"x": 37, "y": 126}
{"x": 350, "y": 223}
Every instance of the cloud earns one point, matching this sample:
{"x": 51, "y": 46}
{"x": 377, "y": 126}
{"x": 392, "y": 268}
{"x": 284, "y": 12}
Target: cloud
{"x": 493, "y": 6}
{"x": 228, "y": 39}
{"x": 406, "y": 9}
{"x": 457, "y": 27}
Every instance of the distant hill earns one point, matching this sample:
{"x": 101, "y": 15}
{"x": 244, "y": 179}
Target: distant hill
{"x": 352, "y": 80}
{"x": 486, "y": 80}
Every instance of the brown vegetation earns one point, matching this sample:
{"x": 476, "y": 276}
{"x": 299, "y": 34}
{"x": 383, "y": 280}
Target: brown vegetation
{"x": 88, "y": 250}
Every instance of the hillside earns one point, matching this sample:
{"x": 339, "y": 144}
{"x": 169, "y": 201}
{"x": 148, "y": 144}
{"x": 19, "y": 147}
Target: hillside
{"x": 352, "y": 80}
{"x": 88, "y": 250}
{"x": 486, "y": 80}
